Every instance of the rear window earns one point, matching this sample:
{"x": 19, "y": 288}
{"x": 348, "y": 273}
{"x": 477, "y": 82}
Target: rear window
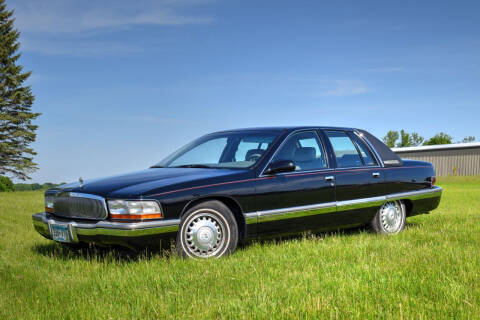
{"x": 389, "y": 158}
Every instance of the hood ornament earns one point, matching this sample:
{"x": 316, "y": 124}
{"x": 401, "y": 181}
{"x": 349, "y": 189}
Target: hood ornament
{"x": 81, "y": 182}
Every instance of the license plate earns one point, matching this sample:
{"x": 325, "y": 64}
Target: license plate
{"x": 60, "y": 232}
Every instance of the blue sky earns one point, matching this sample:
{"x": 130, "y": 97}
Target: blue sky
{"x": 121, "y": 84}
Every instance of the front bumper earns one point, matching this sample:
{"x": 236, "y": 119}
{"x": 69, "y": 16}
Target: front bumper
{"x": 105, "y": 231}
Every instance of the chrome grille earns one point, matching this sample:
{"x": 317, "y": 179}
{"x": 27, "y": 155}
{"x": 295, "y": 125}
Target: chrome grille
{"x": 79, "y": 205}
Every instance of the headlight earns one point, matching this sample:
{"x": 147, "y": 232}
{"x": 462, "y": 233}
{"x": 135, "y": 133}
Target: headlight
{"x": 137, "y": 210}
{"x": 49, "y": 204}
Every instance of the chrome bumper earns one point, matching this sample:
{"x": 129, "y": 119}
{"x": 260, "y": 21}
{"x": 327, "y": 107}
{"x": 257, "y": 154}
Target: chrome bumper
{"x": 42, "y": 222}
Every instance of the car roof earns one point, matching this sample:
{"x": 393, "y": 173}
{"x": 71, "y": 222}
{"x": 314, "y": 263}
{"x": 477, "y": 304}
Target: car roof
{"x": 289, "y": 129}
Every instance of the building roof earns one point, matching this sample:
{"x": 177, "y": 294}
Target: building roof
{"x": 438, "y": 147}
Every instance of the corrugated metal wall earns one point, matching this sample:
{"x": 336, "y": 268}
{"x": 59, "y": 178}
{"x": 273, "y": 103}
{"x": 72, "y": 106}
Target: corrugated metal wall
{"x": 461, "y": 162}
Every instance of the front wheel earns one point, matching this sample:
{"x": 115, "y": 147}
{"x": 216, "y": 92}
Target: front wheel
{"x": 390, "y": 218}
{"x": 207, "y": 230}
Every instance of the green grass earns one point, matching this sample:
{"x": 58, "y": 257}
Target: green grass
{"x": 431, "y": 270}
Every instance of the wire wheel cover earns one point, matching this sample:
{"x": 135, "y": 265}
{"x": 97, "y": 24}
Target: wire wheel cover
{"x": 204, "y": 234}
{"x": 391, "y": 217}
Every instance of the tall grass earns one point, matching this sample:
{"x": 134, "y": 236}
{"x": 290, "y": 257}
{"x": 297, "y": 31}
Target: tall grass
{"x": 431, "y": 270}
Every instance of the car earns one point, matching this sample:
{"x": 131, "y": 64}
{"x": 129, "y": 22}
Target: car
{"x": 240, "y": 185}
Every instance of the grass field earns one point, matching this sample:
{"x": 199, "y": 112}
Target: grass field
{"x": 430, "y": 271}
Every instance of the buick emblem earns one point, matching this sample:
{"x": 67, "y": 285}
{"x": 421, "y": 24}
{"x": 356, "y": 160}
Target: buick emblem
{"x": 81, "y": 182}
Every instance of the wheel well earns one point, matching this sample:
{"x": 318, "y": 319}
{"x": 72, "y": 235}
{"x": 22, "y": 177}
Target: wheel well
{"x": 231, "y": 204}
{"x": 408, "y": 206}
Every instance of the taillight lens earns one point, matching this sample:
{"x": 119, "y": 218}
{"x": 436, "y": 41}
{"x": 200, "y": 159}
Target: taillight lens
{"x": 134, "y": 210}
{"x": 434, "y": 179}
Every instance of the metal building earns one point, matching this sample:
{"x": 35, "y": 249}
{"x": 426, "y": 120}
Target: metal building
{"x": 462, "y": 159}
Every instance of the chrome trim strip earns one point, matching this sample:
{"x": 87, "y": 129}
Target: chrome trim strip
{"x": 251, "y": 217}
{"x": 328, "y": 207}
{"x": 296, "y": 209}
{"x": 417, "y": 194}
{"x": 84, "y": 195}
{"x": 293, "y": 173}
{"x": 341, "y": 169}
{"x": 105, "y": 228}
{"x": 296, "y": 212}
{"x": 289, "y": 213}
{"x": 360, "y": 203}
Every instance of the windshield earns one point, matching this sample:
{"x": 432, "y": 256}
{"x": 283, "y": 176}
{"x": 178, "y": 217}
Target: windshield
{"x": 222, "y": 150}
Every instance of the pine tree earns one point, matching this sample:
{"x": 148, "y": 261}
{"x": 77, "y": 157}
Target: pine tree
{"x": 17, "y": 131}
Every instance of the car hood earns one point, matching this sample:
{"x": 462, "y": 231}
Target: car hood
{"x": 145, "y": 182}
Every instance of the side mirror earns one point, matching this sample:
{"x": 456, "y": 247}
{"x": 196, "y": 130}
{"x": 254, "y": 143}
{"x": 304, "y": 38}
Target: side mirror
{"x": 280, "y": 166}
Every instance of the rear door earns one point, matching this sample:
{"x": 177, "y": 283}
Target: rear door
{"x": 359, "y": 177}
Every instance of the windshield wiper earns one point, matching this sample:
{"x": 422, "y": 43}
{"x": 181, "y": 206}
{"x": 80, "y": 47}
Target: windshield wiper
{"x": 157, "y": 167}
{"x": 194, "y": 166}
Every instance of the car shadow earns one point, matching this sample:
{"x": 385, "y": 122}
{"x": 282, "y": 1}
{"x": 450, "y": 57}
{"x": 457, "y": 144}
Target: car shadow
{"x": 278, "y": 239}
{"x": 107, "y": 254}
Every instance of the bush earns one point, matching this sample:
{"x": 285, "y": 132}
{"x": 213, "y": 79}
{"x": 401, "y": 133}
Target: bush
{"x": 23, "y": 187}
{"x": 6, "y": 184}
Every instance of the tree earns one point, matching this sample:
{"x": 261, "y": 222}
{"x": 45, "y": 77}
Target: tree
{"x": 17, "y": 131}
{"x": 405, "y": 139}
{"x": 416, "y": 139}
{"x": 6, "y": 184}
{"x": 390, "y": 138}
{"x": 468, "y": 139}
{"x": 23, "y": 187}
{"x": 439, "y": 138}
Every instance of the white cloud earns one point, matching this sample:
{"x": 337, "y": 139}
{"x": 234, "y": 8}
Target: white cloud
{"x": 340, "y": 88}
{"x": 69, "y": 16}
{"x": 72, "y": 27}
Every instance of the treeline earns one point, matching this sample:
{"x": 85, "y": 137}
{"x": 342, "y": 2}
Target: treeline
{"x": 402, "y": 139}
{"x": 7, "y": 185}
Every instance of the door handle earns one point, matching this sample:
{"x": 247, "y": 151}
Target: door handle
{"x": 329, "y": 178}
{"x": 376, "y": 174}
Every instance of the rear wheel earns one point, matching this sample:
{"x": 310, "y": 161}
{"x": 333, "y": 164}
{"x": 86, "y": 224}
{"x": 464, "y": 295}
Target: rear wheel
{"x": 390, "y": 218}
{"x": 207, "y": 230}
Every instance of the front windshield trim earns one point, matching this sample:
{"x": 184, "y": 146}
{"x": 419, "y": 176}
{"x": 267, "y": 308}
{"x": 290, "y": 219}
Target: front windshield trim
{"x": 274, "y": 135}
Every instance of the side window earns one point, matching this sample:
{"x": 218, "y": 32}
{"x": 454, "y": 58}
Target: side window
{"x": 365, "y": 153}
{"x": 305, "y": 150}
{"x": 345, "y": 151}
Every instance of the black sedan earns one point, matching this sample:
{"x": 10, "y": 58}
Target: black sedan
{"x": 245, "y": 184}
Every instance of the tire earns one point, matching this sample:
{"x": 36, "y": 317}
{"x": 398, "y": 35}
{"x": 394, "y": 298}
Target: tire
{"x": 390, "y": 218}
{"x": 207, "y": 230}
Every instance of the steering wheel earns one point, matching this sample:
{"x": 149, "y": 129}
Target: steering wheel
{"x": 254, "y": 157}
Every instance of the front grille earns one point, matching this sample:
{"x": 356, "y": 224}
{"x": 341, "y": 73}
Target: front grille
{"x": 79, "y": 205}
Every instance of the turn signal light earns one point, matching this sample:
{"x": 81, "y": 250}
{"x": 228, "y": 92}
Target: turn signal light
{"x": 137, "y": 216}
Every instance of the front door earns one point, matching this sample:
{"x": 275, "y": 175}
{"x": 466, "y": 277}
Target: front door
{"x": 295, "y": 201}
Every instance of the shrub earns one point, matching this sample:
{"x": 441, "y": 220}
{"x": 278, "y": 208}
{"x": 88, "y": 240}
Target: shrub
{"x": 6, "y": 184}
